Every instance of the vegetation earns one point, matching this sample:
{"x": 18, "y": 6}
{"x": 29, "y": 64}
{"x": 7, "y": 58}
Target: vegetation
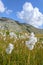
{"x": 21, "y": 55}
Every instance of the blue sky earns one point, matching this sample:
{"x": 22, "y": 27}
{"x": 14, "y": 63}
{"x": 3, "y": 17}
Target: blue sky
{"x": 13, "y": 8}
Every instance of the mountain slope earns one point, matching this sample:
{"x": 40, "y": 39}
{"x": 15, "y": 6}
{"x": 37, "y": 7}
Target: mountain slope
{"x": 31, "y": 28}
{"x": 12, "y": 25}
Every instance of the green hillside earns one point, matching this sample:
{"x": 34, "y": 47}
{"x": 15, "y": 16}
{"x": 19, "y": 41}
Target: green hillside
{"x": 13, "y": 25}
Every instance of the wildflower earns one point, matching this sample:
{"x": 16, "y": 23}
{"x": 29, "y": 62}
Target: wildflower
{"x": 26, "y": 35}
{"x": 1, "y": 33}
{"x": 22, "y": 41}
{"x": 12, "y": 35}
{"x": 42, "y": 42}
{"x": 9, "y": 48}
{"x": 32, "y": 34}
{"x": 4, "y": 38}
{"x": 4, "y": 35}
{"x": 31, "y": 47}
{"x": 31, "y": 42}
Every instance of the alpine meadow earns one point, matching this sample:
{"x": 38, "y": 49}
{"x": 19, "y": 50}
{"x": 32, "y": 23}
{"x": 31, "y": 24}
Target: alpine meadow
{"x": 21, "y": 32}
{"x": 20, "y": 43}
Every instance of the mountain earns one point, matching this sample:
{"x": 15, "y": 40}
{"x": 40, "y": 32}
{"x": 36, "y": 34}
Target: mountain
{"x": 12, "y": 25}
{"x": 31, "y": 28}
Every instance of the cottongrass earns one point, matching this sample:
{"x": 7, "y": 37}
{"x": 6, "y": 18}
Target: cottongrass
{"x": 27, "y": 36}
{"x": 22, "y": 37}
{"x": 9, "y": 48}
{"x": 12, "y": 34}
{"x": 31, "y": 42}
{"x": 42, "y": 42}
{"x": 4, "y": 38}
{"x": 4, "y": 35}
{"x": 20, "y": 54}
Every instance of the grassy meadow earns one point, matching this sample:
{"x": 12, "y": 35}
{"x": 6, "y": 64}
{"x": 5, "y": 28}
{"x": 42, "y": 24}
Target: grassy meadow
{"x": 21, "y": 55}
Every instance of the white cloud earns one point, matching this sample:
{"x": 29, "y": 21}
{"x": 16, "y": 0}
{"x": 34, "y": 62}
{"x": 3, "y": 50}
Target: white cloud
{"x": 8, "y": 11}
{"x": 31, "y": 15}
{"x": 3, "y": 8}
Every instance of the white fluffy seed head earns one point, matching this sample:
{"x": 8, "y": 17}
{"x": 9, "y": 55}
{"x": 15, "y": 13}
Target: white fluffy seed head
{"x": 31, "y": 42}
{"x": 42, "y": 42}
{"x": 9, "y": 48}
{"x": 12, "y": 34}
{"x": 31, "y": 47}
{"x": 32, "y": 34}
{"x": 4, "y": 38}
